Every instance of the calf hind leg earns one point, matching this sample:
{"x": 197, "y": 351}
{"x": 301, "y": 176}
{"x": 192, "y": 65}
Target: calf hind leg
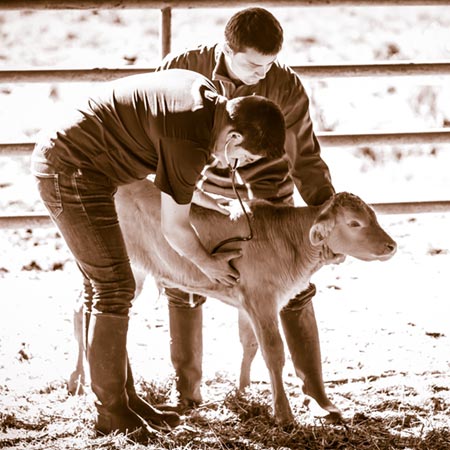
{"x": 81, "y": 314}
{"x": 77, "y": 379}
{"x": 249, "y": 348}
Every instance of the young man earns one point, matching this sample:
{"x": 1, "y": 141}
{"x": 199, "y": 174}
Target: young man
{"x": 245, "y": 64}
{"x": 170, "y": 124}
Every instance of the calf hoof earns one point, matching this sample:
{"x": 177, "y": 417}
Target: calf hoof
{"x": 76, "y": 384}
{"x": 244, "y": 383}
{"x": 334, "y": 418}
{"x": 285, "y": 422}
{"x": 329, "y": 412}
{"x": 284, "y": 419}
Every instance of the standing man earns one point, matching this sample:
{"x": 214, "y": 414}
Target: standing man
{"x": 246, "y": 64}
{"x": 170, "y": 124}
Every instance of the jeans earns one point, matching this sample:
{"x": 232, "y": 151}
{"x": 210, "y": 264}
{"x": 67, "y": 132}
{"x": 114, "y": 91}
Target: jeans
{"x": 81, "y": 204}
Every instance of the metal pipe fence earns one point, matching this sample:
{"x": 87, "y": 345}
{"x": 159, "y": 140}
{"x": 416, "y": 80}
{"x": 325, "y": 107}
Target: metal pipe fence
{"x": 161, "y": 4}
{"x": 440, "y": 136}
{"x": 36, "y": 220}
{"x": 379, "y": 69}
{"x": 309, "y": 71}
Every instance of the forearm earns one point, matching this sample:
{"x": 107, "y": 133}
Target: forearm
{"x": 309, "y": 171}
{"x": 184, "y": 240}
{"x": 205, "y": 200}
{"x": 182, "y": 237}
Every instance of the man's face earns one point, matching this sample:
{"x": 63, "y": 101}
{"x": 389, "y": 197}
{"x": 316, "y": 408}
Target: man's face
{"x": 235, "y": 156}
{"x": 238, "y": 157}
{"x": 249, "y": 66}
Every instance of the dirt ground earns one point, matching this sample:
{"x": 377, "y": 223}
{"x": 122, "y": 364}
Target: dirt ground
{"x": 384, "y": 333}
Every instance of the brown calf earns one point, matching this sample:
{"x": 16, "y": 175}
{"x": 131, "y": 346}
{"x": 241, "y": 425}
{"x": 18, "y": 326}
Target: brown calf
{"x": 288, "y": 246}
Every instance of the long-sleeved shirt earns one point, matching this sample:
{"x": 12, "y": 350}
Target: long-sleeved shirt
{"x": 302, "y": 164}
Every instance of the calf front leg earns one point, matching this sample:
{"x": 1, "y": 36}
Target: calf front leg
{"x": 249, "y": 348}
{"x": 265, "y": 325}
{"x": 77, "y": 378}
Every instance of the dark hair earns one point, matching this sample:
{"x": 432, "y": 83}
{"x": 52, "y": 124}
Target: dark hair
{"x": 254, "y": 28}
{"x": 261, "y": 124}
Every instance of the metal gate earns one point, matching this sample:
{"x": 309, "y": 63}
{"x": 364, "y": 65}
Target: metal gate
{"x": 404, "y": 69}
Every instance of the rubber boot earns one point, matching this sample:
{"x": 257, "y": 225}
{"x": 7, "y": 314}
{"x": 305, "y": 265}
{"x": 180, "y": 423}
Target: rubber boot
{"x": 155, "y": 418}
{"x": 186, "y": 351}
{"x": 302, "y": 337}
{"x": 107, "y": 357}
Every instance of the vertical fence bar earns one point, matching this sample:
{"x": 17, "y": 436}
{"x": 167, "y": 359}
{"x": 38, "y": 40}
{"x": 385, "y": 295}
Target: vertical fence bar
{"x": 166, "y": 31}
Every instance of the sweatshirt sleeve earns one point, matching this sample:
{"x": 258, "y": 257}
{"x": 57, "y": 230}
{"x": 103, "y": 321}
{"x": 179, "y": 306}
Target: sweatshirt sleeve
{"x": 308, "y": 170}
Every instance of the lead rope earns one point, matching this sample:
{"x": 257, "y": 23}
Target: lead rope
{"x": 236, "y": 193}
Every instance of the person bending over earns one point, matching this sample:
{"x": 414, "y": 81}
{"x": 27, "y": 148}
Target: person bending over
{"x": 170, "y": 124}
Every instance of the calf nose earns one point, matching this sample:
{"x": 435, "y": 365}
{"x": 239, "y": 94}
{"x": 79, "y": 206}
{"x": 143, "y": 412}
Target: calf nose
{"x": 390, "y": 248}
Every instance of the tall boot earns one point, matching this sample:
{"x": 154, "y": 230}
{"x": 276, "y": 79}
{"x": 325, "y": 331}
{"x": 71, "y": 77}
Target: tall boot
{"x": 302, "y": 337}
{"x": 155, "y": 418}
{"x": 107, "y": 356}
{"x": 186, "y": 351}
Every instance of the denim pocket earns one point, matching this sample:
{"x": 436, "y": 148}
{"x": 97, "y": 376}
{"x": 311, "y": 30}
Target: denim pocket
{"x": 48, "y": 187}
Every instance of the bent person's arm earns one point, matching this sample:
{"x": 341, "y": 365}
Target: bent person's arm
{"x": 181, "y": 236}
{"x": 205, "y": 200}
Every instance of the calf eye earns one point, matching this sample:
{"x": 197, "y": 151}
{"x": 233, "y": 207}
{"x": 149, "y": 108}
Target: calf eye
{"x": 354, "y": 224}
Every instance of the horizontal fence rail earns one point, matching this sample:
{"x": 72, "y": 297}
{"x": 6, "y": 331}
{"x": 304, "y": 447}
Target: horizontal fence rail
{"x": 412, "y": 207}
{"x": 36, "y": 220}
{"x": 160, "y": 4}
{"x": 380, "y": 69}
{"x": 29, "y": 220}
{"x": 441, "y": 136}
{"x": 342, "y": 70}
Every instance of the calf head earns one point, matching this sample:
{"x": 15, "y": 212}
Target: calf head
{"x": 348, "y": 226}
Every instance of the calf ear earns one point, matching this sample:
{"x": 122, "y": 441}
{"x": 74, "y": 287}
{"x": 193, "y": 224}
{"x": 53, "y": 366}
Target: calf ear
{"x": 321, "y": 229}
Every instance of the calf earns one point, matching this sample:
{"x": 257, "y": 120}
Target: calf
{"x": 289, "y": 245}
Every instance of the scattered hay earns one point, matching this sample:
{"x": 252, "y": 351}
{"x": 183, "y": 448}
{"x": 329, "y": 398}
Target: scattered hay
{"x": 383, "y": 416}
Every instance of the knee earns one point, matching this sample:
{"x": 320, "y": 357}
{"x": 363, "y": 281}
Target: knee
{"x": 126, "y": 289}
{"x": 302, "y": 299}
{"x": 115, "y": 297}
{"x": 180, "y": 299}
{"x": 86, "y": 297}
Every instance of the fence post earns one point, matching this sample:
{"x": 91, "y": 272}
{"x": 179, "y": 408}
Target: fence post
{"x": 166, "y": 31}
